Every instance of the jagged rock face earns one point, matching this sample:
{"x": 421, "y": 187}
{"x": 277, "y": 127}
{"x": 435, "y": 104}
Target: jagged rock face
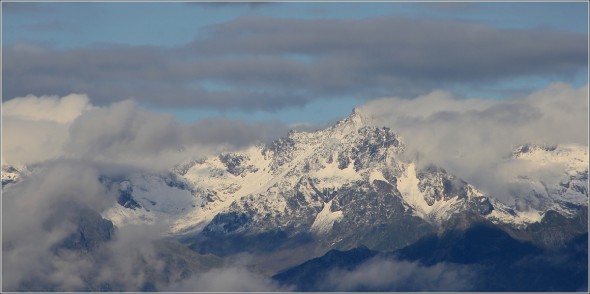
{"x": 12, "y": 174}
{"x": 555, "y": 229}
{"x": 373, "y": 215}
{"x": 125, "y": 198}
{"x": 92, "y": 230}
{"x": 234, "y": 164}
{"x": 371, "y": 147}
{"x": 437, "y": 185}
{"x": 281, "y": 152}
{"x": 304, "y": 186}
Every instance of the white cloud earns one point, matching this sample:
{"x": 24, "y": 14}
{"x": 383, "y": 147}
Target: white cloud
{"x": 29, "y": 141}
{"x": 35, "y": 128}
{"x": 473, "y": 137}
{"x": 47, "y": 108}
{"x": 131, "y": 259}
{"x": 228, "y": 279}
{"x": 43, "y": 128}
{"x": 380, "y": 274}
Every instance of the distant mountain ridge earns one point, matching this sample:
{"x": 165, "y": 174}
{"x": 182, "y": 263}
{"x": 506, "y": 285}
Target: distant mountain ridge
{"x": 500, "y": 262}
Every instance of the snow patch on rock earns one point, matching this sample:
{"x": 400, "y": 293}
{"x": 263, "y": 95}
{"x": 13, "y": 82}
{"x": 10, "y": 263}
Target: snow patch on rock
{"x": 407, "y": 184}
{"x": 325, "y": 219}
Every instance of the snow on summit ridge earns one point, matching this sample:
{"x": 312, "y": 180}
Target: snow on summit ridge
{"x": 291, "y": 181}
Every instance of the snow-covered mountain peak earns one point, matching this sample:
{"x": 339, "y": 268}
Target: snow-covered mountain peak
{"x": 524, "y": 149}
{"x": 356, "y": 120}
{"x": 549, "y": 177}
{"x": 573, "y": 156}
{"x": 357, "y": 116}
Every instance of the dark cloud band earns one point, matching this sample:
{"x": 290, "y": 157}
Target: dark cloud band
{"x": 266, "y": 63}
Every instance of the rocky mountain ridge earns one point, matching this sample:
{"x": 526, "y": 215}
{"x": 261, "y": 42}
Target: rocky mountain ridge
{"x": 347, "y": 185}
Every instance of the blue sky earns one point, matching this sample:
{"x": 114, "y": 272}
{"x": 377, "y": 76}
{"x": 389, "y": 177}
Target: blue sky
{"x": 85, "y": 24}
{"x": 169, "y": 27}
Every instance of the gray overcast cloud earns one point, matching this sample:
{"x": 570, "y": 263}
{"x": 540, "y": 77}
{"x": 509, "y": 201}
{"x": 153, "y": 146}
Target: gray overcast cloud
{"x": 265, "y": 63}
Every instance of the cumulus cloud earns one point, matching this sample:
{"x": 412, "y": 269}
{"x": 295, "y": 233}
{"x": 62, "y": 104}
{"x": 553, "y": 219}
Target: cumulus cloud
{"x": 257, "y": 62}
{"x": 47, "y": 108}
{"x": 25, "y": 142}
{"x": 385, "y": 274}
{"x": 48, "y": 127}
{"x": 35, "y": 128}
{"x": 473, "y": 137}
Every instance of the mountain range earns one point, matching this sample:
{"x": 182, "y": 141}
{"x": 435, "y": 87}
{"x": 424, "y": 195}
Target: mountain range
{"x": 312, "y": 205}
